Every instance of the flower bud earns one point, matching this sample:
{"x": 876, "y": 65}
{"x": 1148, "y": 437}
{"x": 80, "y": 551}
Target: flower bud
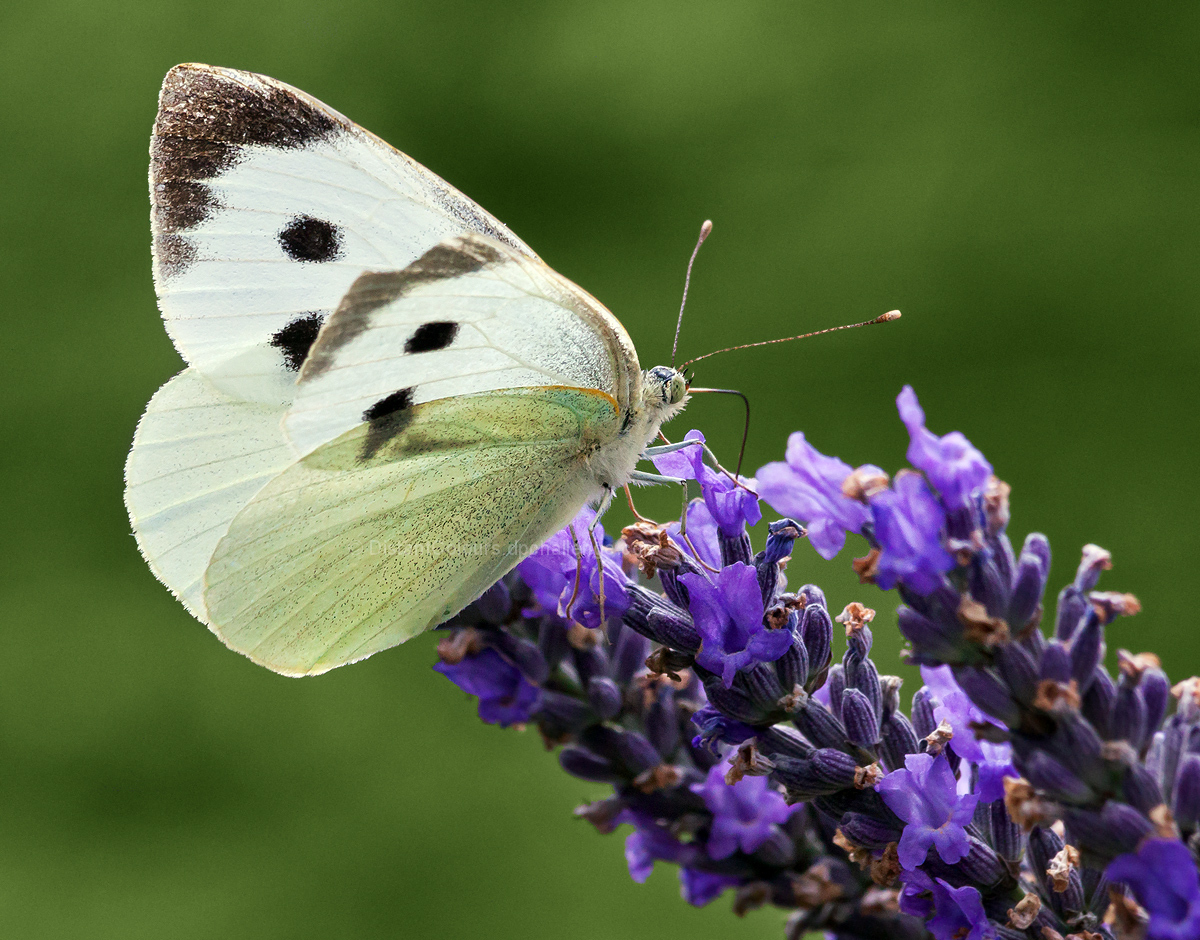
{"x": 816, "y": 629}
{"x": 1050, "y": 776}
{"x": 987, "y": 584}
{"x": 819, "y": 726}
{"x": 629, "y": 653}
{"x": 897, "y": 740}
{"x": 834, "y": 766}
{"x": 981, "y": 865}
{"x": 781, "y": 536}
{"x": 1056, "y": 662}
{"x": 862, "y": 726}
{"x": 1006, "y": 836}
{"x": 1098, "y": 702}
{"x": 636, "y": 752}
{"x": 868, "y": 831}
{"x": 1141, "y": 788}
{"x": 661, "y": 721}
{"x": 585, "y": 765}
{"x": 862, "y": 675}
{"x": 1156, "y": 692}
{"x": 836, "y": 683}
{"x": 552, "y": 640}
{"x": 563, "y": 714}
{"x": 782, "y": 740}
{"x": 762, "y": 685}
{"x": 590, "y": 661}
{"x": 1095, "y": 560}
{"x": 778, "y": 850}
{"x": 735, "y": 703}
{"x": 792, "y": 666}
{"x": 1029, "y": 581}
{"x": 801, "y": 779}
{"x": 1018, "y": 670}
{"x": 1087, "y": 651}
{"x": 605, "y": 696}
{"x": 923, "y": 704}
{"x": 1128, "y": 715}
{"x": 734, "y": 548}
{"x": 1186, "y": 802}
{"x": 1116, "y": 829}
{"x": 661, "y": 621}
{"x": 1071, "y": 609}
{"x": 933, "y": 641}
{"x": 986, "y": 690}
{"x": 1175, "y": 736}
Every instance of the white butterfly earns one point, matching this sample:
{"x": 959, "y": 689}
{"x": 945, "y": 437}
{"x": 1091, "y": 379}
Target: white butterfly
{"x": 388, "y": 397}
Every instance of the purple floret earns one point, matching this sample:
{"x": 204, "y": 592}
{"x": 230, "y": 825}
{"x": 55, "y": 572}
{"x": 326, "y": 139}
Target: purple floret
{"x": 733, "y": 507}
{"x": 728, "y": 615}
{"x": 550, "y": 573}
{"x": 807, "y": 486}
{"x": 700, "y": 887}
{"x": 908, "y": 527}
{"x": 1163, "y": 877}
{"x": 744, "y": 813}
{"x": 506, "y": 697}
{"x": 994, "y": 761}
{"x": 952, "y": 464}
{"x": 924, "y": 794}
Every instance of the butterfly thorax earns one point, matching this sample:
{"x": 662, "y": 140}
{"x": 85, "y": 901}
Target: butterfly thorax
{"x": 664, "y": 395}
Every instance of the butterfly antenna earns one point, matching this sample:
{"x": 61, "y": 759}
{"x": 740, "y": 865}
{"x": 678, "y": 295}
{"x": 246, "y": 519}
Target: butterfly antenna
{"x": 884, "y": 318}
{"x": 705, "y": 231}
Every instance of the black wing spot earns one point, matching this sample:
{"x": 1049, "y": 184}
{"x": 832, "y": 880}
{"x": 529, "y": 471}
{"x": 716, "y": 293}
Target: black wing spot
{"x": 308, "y": 239}
{"x": 431, "y": 337}
{"x": 296, "y": 339}
{"x": 385, "y": 419}
{"x": 397, "y": 401}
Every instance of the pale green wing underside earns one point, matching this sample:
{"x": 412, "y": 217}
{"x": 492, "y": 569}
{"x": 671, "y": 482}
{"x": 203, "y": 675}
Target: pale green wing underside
{"x": 393, "y": 527}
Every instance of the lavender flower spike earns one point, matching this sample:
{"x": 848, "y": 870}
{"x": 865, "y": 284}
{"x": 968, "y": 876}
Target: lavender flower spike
{"x": 808, "y": 486}
{"x": 728, "y": 615}
{"x": 924, "y": 795}
{"x": 952, "y": 464}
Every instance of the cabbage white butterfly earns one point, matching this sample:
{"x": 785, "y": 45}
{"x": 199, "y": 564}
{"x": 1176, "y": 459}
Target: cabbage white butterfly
{"x": 389, "y": 397}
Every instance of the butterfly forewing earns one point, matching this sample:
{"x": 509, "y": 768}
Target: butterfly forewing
{"x": 470, "y": 315}
{"x": 267, "y": 205}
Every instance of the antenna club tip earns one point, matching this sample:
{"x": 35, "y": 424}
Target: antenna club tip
{"x": 705, "y": 229}
{"x": 890, "y": 315}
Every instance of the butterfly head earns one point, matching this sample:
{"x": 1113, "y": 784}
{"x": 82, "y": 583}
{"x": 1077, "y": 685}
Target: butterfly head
{"x": 664, "y": 392}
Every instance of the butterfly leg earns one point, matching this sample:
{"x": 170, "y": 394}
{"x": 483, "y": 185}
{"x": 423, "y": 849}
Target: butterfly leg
{"x": 657, "y": 479}
{"x": 639, "y": 476}
{"x": 605, "y": 502}
{"x": 578, "y": 568}
{"x": 668, "y": 448}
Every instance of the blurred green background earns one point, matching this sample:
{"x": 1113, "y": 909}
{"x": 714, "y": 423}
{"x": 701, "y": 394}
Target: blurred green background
{"x": 1020, "y": 179}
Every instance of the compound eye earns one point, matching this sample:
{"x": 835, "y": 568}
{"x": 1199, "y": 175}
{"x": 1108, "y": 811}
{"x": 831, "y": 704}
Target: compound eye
{"x": 678, "y": 389}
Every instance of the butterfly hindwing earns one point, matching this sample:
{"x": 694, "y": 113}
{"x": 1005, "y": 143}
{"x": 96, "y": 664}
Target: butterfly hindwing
{"x": 198, "y": 457}
{"x": 400, "y": 522}
{"x": 266, "y": 205}
{"x": 470, "y": 315}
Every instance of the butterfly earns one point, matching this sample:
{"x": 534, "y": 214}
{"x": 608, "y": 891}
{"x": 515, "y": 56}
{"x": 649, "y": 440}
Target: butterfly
{"x": 388, "y": 398}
